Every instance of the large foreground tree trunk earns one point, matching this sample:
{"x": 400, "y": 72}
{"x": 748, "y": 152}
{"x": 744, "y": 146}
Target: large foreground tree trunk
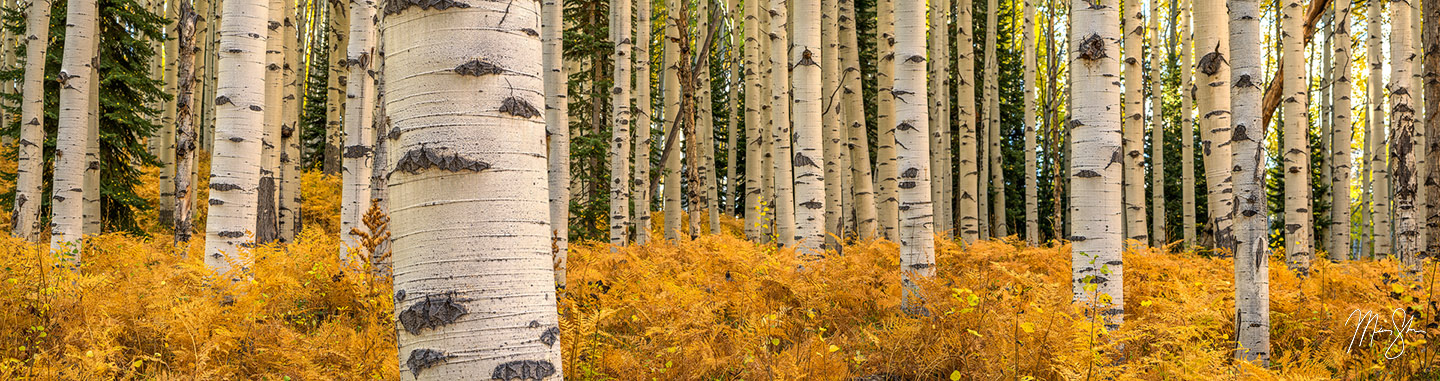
{"x": 805, "y": 61}
{"x": 1252, "y": 281}
{"x": 917, "y": 236}
{"x": 1133, "y": 124}
{"x": 483, "y": 169}
{"x": 1341, "y": 89}
{"x": 240, "y": 119}
{"x": 965, "y": 112}
{"x": 1032, "y": 215}
{"x": 1299, "y": 232}
{"x": 1098, "y": 271}
{"x": 1376, "y": 132}
{"x": 30, "y": 172}
{"x": 76, "y": 74}
{"x": 1403, "y": 139}
{"x": 886, "y": 197}
{"x": 1212, "y": 93}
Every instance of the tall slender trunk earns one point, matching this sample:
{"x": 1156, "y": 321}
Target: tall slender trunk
{"x": 1187, "y": 127}
{"x": 338, "y": 33}
{"x": 732, "y": 195}
{"x": 859, "y": 136}
{"x": 965, "y": 117}
{"x": 92, "y": 143}
{"x": 917, "y": 237}
{"x": 934, "y": 95}
{"x": 888, "y": 206}
{"x": 500, "y": 269}
{"x": 1367, "y": 233}
{"x": 993, "y": 126}
{"x": 641, "y": 219}
{"x": 787, "y": 176}
{"x": 705, "y": 117}
{"x": 165, "y": 136}
{"x": 30, "y": 160}
{"x": 1430, "y": 40}
{"x": 290, "y": 134}
{"x": 1299, "y": 232}
{"x": 1133, "y": 125}
{"x": 1032, "y": 214}
{"x": 810, "y": 177}
{"x": 359, "y": 104}
{"x": 1157, "y": 133}
{"x": 267, "y": 221}
{"x": 240, "y": 121}
{"x": 1402, "y": 127}
{"x": 557, "y": 128}
{"x": 76, "y": 73}
{"x": 185, "y": 144}
{"x": 1096, "y": 196}
{"x": 620, "y": 114}
{"x": 1341, "y": 136}
{"x": 672, "y": 114}
{"x": 1380, "y": 172}
{"x": 832, "y": 135}
{"x": 1212, "y": 82}
{"x": 754, "y": 140}
{"x": 1252, "y": 281}
{"x": 1323, "y": 195}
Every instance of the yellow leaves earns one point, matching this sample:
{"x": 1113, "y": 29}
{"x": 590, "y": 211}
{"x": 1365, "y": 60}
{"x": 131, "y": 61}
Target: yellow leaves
{"x": 972, "y": 332}
{"x": 1028, "y": 327}
{"x": 1146, "y": 303}
{"x": 955, "y": 375}
{"x": 833, "y": 348}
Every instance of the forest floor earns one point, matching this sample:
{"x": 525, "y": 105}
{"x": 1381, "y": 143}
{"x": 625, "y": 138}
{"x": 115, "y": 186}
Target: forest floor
{"x": 717, "y": 307}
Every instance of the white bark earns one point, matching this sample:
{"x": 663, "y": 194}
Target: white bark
{"x": 557, "y": 127}
{"x": 290, "y": 133}
{"x": 859, "y": 144}
{"x": 471, "y": 230}
{"x": 671, "y": 88}
{"x": 1133, "y": 124}
{"x": 76, "y": 73}
{"x": 643, "y": 124}
{"x": 832, "y": 133}
{"x": 1252, "y": 281}
{"x": 810, "y": 195}
{"x": 1408, "y": 239}
{"x": 965, "y": 112}
{"x": 785, "y": 174}
{"x": 359, "y": 132}
{"x": 1299, "y": 232}
{"x": 620, "y": 116}
{"x": 185, "y": 143}
{"x": 888, "y": 205}
{"x": 240, "y": 119}
{"x": 92, "y": 143}
{"x": 1032, "y": 216}
{"x": 1001, "y": 224}
{"x": 1095, "y": 174}
{"x": 917, "y": 237}
{"x": 1157, "y": 133}
{"x": 1187, "y": 128}
{"x": 1376, "y": 133}
{"x": 165, "y": 136}
{"x": 268, "y": 215}
{"x": 1341, "y": 136}
{"x": 30, "y": 171}
{"x": 1212, "y": 93}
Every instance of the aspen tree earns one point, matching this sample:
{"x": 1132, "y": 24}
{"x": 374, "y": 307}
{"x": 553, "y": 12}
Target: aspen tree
{"x": 1323, "y": 196}
{"x": 1095, "y": 200}
{"x": 645, "y": 121}
{"x": 832, "y": 134}
{"x": 240, "y": 121}
{"x": 992, "y": 126}
{"x": 497, "y": 277}
{"x": 671, "y": 87}
{"x": 1133, "y": 124}
{"x": 1252, "y": 295}
{"x": 934, "y": 94}
{"x": 1417, "y": 103}
{"x": 30, "y": 161}
{"x": 732, "y": 119}
{"x": 787, "y": 167}
{"x": 91, "y": 184}
{"x": 1379, "y": 169}
{"x": 557, "y": 128}
{"x": 339, "y": 34}
{"x": 917, "y": 237}
{"x": 185, "y": 143}
{"x": 865, "y": 211}
{"x": 1430, "y": 41}
{"x": 810, "y": 195}
{"x": 1157, "y": 133}
{"x": 965, "y": 112}
{"x": 290, "y": 133}
{"x": 164, "y": 138}
{"x": 76, "y": 73}
{"x": 1408, "y": 238}
{"x": 1341, "y": 136}
{"x": 754, "y": 140}
{"x": 1032, "y": 216}
{"x": 765, "y": 69}
{"x": 267, "y": 217}
{"x": 1212, "y": 85}
{"x": 1299, "y": 231}
{"x": 1187, "y": 128}
{"x": 360, "y": 101}
{"x": 621, "y": 118}
{"x": 888, "y": 207}
{"x": 1367, "y": 235}
{"x": 705, "y": 118}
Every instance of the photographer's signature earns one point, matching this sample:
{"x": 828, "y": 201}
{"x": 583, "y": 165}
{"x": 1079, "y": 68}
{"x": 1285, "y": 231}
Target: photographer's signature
{"x": 1373, "y": 327}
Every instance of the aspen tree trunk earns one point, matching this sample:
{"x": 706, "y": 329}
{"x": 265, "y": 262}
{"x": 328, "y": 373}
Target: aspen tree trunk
{"x": 935, "y": 65}
{"x": 1402, "y": 125}
{"x": 705, "y": 120}
{"x": 1341, "y": 89}
{"x": 641, "y": 220}
{"x": 165, "y": 136}
{"x": 288, "y": 207}
{"x": 240, "y": 122}
{"x": 185, "y": 144}
{"x": 1417, "y": 103}
{"x": 1299, "y": 240}
{"x": 267, "y": 221}
{"x": 832, "y": 135}
{"x": 769, "y": 187}
{"x": 210, "y": 76}
{"x": 359, "y": 103}
{"x": 754, "y": 140}
{"x": 1032, "y": 199}
{"x": 993, "y": 127}
{"x": 496, "y": 278}
{"x": 557, "y": 128}
{"x": 1097, "y": 267}
{"x": 92, "y": 144}
{"x": 1187, "y": 128}
{"x": 1212, "y": 84}
{"x": 788, "y": 168}
{"x": 965, "y": 112}
{"x": 888, "y": 206}
{"x": 1133, "y": 25}
{"x": 810, "y": 185}
{"x": 1380, "y": 173}
{"x": 1367, "y": 234}
{"x": 944, "y": 206}
{"x": 865, "y": 211}
{"x": 620, "y": 115}
{"x": 1252, "y": 295}
{"x": 1326, "y": 114}
{"x": 917, "y": 237}
{"x": 204, "y": 50}
{"x": 732, "y": 120}
{"x": 672, "y": 114}
{"x": 76, "y": 73}
{"x": 339, "y": 34}
{"x": 30, "y": 171}
{"x": 1430, "y": 40}
{"x": 1157, "y": 133}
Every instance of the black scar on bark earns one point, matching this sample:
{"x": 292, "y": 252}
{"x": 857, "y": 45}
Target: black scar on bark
{"x": 222, "y": 100}
{"x": 1092, "y": 48}
{"x": 224, "y": 187}
{"x": 353, "y": 152}
{"x": 907, "y": 185}
{"x": 399, "y": 296}
{"x": 1239, "y": 134}
{"x": 905, "y": 126}
{"x": 424, "y": 157}
{"x": 916, "y": 58}
{"x": 812, "y": 204}
{"x": 530, "y": 32}
{"x": 433, "y": 312}
{"x": 216, "y": 201}
{"x": 550, "y": 336}
{"x": 231, "y": 234}
{"x": 424, "y": 358}
{"x": 807, "y": 58}
{"x": 256, "y": 108}
{"x": 518, "y": 107}
{"x": 1210, "y": 63}
{"x": 394, "y": 7}
{"x": 1245, "y": 81}
{"x": 1085, "y": 174}
{"x": 801, "y": 161}
{"x": 921, "y": 266}
{"x": 523, "y": 370}
{"x": 478, "y": 68}
{"x": 236, "y": 139}
{"x": 910, "y": 173}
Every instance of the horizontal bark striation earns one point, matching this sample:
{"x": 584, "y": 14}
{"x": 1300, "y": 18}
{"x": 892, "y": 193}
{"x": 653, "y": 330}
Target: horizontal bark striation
{"x": 423, "y": 158}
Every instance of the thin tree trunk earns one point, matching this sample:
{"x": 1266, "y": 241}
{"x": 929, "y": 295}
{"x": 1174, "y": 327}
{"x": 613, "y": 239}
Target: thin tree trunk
{"x": 864, "y": 194}
{"x": 1096, "y": 262}
{"x": 557, "y": 128}
{"x": 1380, "y": 173}
{"x": 501, "y": 268}
{"x": 165, "y": 136}
{"x": 1430, "y": 40}
{"x": 620, "y": 114}
{"x": 754, "y": 140}
{"x": 1187, "y": 128}
{"x": 92, "y": 142}
{"x": 76, "y": 73}
{"x": 1325, "y": 86}
{"x": 641, "y": 219}
{"x": 965, "y": 116}
{"x": 705, "y": 118}
{"x": 1133, "y": 25}
{"x": 934, "y": 95}
{"x": 787, "y": 175}
{"x": 810, "y": 177}
{"x": 732, "y": 195}
{"x": 290, "y": 133}
{"x": 993, "y": 126}
{"x": 1032, "y": 199}
{"x": 1402, "y": 125}
{"x": 338, "y": 33}
{"x": 240, "y": 121}
{"x": 672, "y": 114}
{"x": 1252, "y": 295}
{"x": 30, "y": 171}
{"x": 1157, "y": 133}
{"x": 832, "y": 134}
{"x": 267, "y": 221}
{"x": 359, "y": 107}
{"x": 1299, "y": 232}
{"x": 1212, "y": 82}
{"x": 917, "y": 245}
{"x": 185, "y": 144}
{"x": 1341, "y": 137}
{"x": 888, "y": 207}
